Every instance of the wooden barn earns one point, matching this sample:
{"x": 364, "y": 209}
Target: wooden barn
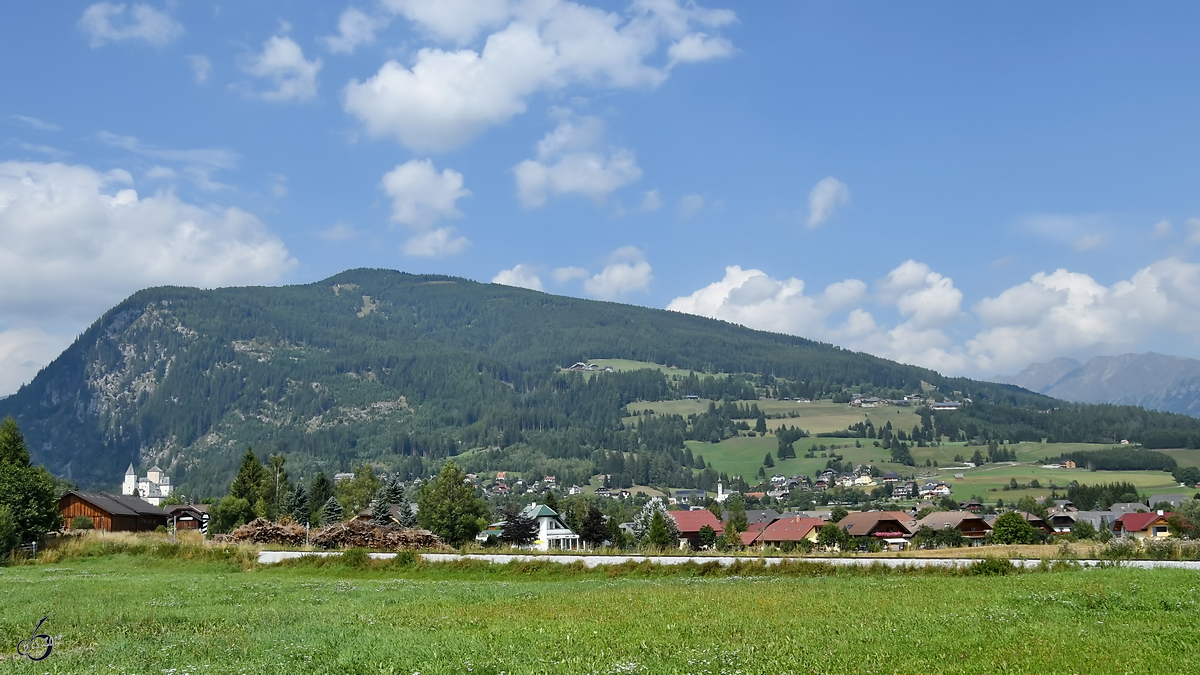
{"x": 187, "y": 516}
{"x": 113, "y": 513}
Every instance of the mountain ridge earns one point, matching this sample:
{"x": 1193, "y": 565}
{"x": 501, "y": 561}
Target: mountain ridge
{"x": 1151, "y": 380}
{"x": 403, "y": 370}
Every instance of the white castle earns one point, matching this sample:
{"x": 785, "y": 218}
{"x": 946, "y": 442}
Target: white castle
{"x": 154, "y": 487}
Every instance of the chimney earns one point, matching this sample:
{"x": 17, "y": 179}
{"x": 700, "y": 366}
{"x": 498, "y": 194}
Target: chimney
{"x": 1160, "y": 512}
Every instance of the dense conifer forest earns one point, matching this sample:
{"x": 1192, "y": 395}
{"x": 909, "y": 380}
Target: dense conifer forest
{"x": 404, "y": 370}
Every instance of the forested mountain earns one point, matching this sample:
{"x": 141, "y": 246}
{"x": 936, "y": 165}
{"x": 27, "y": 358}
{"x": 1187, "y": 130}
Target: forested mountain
{"x": 1155, "y": 381}
{"x": 403, "y": 370}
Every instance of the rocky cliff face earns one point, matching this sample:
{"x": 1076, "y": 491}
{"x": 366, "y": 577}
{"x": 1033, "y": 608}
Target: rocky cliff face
{"x": 1155, "y": 381}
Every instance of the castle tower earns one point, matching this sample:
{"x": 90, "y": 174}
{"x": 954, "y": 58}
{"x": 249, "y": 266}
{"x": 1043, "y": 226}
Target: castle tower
{"x": 130, "y": 484}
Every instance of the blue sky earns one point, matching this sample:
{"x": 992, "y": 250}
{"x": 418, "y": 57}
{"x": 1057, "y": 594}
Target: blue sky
{"x": 964, "y": 187}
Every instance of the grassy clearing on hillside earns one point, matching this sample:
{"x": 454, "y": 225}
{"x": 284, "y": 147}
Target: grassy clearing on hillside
{"x": 137, "y": 615}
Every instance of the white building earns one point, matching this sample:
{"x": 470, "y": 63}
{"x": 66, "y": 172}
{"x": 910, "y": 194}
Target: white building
{"x": 154, "y": 487}
{"x": 552, "y": 533}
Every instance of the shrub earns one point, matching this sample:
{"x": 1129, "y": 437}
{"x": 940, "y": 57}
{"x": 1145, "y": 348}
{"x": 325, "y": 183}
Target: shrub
{"x": 991, "y": 567}
{"x": 1119, "y": 549}
{"x": 161, "y": 529}
{"x": 356, "y": 558}
{"x": 82, "y": 523}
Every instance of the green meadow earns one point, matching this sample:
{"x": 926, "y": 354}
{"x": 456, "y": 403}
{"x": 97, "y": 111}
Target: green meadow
{"x": 127, "y": 614}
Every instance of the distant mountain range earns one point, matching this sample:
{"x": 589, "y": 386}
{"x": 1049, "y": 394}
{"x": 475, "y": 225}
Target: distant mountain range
{"x": 1154, "y": 381}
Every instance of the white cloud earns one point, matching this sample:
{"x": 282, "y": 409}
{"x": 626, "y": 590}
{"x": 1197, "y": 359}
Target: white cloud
{"x": 564, "y": 274}
{"x": 520, "y": 276}
{"x": 446, "y": 98}
{"x": 697, "y": 47}
{"x": 420, "y": 198}
{"x": 355, "y": 28}
{"x": 282, "y": 61}
{"x": 1053, "y": 314}
{"x": 201, "y": 67}
{"x": 651, "y": 201}
{"x": 106, "y": 22}
{"x": 1162, "y": 229}
{"x": 78, "y": 241}
{"x": 828, "y": 194}
{"x": 458, "y": 21}
{"x": 435, "y": 243}
{"x": 626, "y": 272}
{"x": 568, "y": 161}
{"x": 36, "y": 123}
{"x": 927, "y": 298}
{"x": 752, "y": 298}
{"x": 689, "y": 206}
{"x": 24, "y": 351}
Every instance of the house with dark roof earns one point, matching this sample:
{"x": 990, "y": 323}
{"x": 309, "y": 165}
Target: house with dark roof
{"x": 112, "y": 512}
{"x": 1151, "y": 525}
{"x": 187, "y": 516}
{"x": 689, "y": 497}
{"x": 689, "y": 524}
{"x": 971, "y": 525}
{"x": 1173, "y": 499}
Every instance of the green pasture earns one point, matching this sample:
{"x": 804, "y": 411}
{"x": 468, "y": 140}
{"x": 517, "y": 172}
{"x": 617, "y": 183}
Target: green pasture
{"x": 622, "y": 365}
{"x": 122, "y": 614}
{"x": 816, "y": 417}
{"x": 1185, "y": 456}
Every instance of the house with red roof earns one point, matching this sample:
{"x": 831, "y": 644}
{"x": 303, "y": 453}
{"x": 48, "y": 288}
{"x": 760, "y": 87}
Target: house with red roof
{"x": 689, "y": 523}
{"x": 794, "y": 529}
{"x": 1151, "y": 525}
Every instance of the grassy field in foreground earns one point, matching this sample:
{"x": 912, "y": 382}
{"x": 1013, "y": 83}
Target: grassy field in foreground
{"x": 138, "y": 615}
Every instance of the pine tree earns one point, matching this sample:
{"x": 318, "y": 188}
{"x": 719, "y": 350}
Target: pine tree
{"x": 593, "y": 530}
{"x": 12, "y": 444}
{"x": 332, "y": 512}
{"x": 519, "y": 529}
{"x": 658, "y": 534}
{"x": 404, "y": 512}
{"x": 381, "y": 509}
{"x": 297, "y": 506}
{"x": 394, "y": 490}
{"x": 319, "y": 492}
{"x": 250, "y": 479}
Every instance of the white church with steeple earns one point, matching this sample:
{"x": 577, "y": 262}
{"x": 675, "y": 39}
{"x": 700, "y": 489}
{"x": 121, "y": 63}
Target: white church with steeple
{"x": 154, "y": 487}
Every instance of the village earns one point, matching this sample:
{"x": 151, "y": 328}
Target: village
{"x": 696, "y": 521}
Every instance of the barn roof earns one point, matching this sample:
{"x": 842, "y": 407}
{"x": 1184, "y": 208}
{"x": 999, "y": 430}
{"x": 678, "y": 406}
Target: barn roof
{"x": 118, "y": 505}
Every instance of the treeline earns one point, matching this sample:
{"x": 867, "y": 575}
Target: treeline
{"x": 1101, "y": 496}
{"x": 1120, "y": 458}
{"x": 1070, "y": 423}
